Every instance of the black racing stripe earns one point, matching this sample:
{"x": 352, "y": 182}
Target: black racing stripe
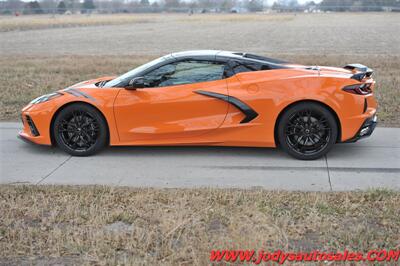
{"x": 79, "y": 93}
{"x": 73, "y": 92}
{"x": 86, "y": 95}
{"x": 244, "y": 108}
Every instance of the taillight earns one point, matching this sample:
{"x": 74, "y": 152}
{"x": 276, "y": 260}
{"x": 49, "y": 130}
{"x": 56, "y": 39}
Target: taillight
{"x": 361, "y": 89}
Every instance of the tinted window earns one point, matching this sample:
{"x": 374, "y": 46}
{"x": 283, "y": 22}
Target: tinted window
{"x": 238, "y": 67}
{"x": 127, "y": 76}
{"x": 185, "y": 72}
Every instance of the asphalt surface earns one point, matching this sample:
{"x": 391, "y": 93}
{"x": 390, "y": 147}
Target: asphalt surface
{"x": 369, "y": 163}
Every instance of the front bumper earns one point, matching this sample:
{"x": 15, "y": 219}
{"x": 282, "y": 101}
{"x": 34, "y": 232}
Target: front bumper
{"x": 35, "y": 128}
{"x": 25, "y": 138}
{"x": 365, "y": 130}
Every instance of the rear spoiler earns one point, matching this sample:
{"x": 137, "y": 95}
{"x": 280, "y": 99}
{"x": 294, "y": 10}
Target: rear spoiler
{"x": 364, "y": 71}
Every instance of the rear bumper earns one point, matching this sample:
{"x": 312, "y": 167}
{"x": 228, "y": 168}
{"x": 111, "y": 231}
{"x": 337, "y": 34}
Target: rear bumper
{"x": 365, "y": 130}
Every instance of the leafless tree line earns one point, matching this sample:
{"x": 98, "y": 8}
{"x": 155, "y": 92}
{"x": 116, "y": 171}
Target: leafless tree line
{"x": 191, "y": 6}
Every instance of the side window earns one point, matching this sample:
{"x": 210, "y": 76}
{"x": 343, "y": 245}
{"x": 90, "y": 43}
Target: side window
{"x": 159, "y": 75}
{"x": 238, "y": 67}
{"x": 185, "y": 72}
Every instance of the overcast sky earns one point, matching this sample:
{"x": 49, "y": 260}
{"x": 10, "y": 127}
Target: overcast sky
{"x": 269, "y": 2}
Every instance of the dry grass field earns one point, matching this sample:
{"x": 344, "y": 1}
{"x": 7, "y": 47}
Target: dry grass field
{"x": 39, "y": 54}
{"x": 110, "y": 226}
{"x": 314, "y": 34}
{"x": 34, "y": 22}
{"x": 105, "y": 226}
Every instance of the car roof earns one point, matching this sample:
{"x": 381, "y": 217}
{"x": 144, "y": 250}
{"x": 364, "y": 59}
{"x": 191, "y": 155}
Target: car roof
{"x": 195, "y": 53}
{"x": 219, "y": 54}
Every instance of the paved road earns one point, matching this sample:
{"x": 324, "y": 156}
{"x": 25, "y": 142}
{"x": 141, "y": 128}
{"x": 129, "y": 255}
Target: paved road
{"x": 373, "y": 162}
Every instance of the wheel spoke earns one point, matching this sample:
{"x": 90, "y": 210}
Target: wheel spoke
{"x": 307, "y": 131}
{"x": 308, "y": 116}
{"x": 79, "y": 130}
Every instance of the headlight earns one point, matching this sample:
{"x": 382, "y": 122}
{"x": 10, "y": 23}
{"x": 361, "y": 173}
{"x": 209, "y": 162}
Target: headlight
{"x": 46, "y": 97}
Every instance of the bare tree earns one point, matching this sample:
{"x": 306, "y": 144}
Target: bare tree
{"x": 227, "y": 5}
{"x": 61, "y": 7}
{"x": 172, "y": 3}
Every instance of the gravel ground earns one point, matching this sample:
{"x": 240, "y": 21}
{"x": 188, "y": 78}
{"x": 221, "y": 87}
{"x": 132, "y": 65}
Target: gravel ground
{"x": 316, "y": 34}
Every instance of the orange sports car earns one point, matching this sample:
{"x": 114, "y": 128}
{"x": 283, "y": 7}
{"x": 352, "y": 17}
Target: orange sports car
{"x": 213, "y": 98}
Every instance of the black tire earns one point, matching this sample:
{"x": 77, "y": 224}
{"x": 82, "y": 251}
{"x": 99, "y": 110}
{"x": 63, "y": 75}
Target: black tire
{"x": 80, "y": 130}
{"x": 307, "y": 131}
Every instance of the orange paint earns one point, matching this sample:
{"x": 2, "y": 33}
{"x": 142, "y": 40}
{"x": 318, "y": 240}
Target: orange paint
{"x": 177, "y": 115}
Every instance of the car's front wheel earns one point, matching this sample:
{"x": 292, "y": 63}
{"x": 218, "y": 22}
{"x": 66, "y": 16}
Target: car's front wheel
{"x": 80, "y": 130}
{"x": 307, "y": 131}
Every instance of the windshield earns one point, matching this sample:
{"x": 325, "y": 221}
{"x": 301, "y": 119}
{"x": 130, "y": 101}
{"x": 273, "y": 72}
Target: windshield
{"x": 134, "y": 72}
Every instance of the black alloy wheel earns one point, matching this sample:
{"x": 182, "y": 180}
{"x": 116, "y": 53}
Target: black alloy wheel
{"x": 80, "y": 130}
{"x": 307, "y": 131}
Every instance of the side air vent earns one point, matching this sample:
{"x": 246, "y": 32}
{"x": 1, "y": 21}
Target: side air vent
{"x": 32, "y": 126}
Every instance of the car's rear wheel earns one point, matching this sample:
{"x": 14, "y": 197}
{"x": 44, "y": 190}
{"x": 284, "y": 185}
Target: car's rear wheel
{"x": 80, "y": 130}
{"x": 307, "y": 131}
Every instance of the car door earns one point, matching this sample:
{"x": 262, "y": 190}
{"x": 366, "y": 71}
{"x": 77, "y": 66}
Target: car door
{"x": 168, "y": 106}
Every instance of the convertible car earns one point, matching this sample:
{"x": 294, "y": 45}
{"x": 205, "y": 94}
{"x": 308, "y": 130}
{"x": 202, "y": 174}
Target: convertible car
{"x": 212, "y": 98}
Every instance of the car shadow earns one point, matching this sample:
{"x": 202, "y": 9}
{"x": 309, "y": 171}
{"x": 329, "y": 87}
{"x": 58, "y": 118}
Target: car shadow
{"x": 197, "y": 151}
{"x": 339, "y": 150}
{"x": 33, "y": 148}
{"x": 347, "y": 151}
{"x": 163, "y": 150}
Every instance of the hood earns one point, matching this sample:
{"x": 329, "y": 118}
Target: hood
{"x": 91, "y": 83}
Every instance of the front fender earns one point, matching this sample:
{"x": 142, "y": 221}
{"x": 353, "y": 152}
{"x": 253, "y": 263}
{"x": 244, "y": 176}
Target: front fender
{"x": 44, "y": 113}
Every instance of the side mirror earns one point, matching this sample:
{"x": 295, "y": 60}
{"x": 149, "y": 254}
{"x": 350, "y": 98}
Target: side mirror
{"x": 136, "y": 83}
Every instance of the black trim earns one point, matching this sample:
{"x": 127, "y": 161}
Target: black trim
{"x": 73, "y": 92}
{"x": 26, "y": 140}
{"x": 78, "y": 93}
{"x": 365, "y": 105}
{"x": 29, "y": 141}
{"x": 358, "y": 76}
{"x": 244, "y": 108}
{"x": 359, "y": 67}
{"x": 32, "y": 126}
{"x": 370, "y": 124}
{"x": 86, "y": 95}
{"x": 263, "y": 58}
{"x": 364, "y": 71}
